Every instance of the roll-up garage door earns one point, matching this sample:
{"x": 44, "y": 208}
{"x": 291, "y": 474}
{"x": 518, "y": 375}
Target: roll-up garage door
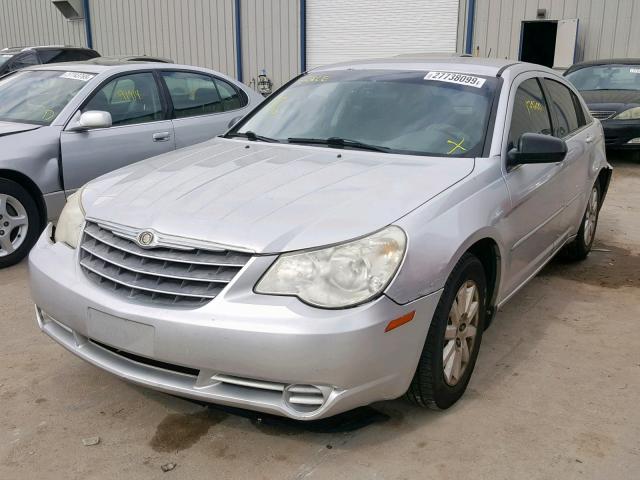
{"x": 342, "y": 30}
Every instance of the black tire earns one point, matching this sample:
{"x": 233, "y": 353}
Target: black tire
{"x": 429, "y": 388}
{"x": 579, "y": 248}
{"x": 17, "y": 192}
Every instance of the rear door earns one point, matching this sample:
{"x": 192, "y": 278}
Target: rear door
{"x": 202, "y": 105}
{"x": 570, "y": 125}
{"x": 534, "y": 220}
{"x": 140, "y": 129}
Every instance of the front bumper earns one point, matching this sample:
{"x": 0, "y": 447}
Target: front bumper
{"x": 618, "y": 134}
{"x": 265, "y": 353}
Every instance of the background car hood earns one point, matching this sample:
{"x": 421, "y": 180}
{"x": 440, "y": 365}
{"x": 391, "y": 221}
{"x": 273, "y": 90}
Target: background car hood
{"x": 269, "y": 198}
{"x": 9, "y": 128}
{"x": 613, "y": 100}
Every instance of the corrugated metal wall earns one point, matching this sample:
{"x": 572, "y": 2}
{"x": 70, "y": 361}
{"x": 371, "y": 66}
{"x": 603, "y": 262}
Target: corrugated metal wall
{"x": 270, "y": 39}
{"x": 606, "y": 29}
{"x": 37, "y": 22}
{"x": 195, "y": 32}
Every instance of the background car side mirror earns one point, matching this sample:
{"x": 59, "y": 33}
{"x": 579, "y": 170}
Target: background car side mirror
{"x": 234, "y": 121}
{"x": 91, "y": 119}
{"x": 537, "y": 148}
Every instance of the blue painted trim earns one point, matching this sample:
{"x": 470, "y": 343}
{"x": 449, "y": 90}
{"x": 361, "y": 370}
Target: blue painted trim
{"x": 238, "y": 42}
{"x": 303, "y": 35}
{"x": 87, "y": 23}
{"x": 471, "y": 13}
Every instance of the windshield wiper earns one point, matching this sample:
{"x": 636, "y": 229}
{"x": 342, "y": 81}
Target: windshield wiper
{"x": 252, "y": 136}
{"x": 339, "y": 142}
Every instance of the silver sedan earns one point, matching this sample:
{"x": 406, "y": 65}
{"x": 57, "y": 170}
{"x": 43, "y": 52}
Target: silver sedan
{"x": 347, "y": 242}
{"x": 63, "y": 125}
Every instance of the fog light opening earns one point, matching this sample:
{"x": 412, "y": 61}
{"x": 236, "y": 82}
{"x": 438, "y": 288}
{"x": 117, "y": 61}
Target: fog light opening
{"x": 304, "y": 398}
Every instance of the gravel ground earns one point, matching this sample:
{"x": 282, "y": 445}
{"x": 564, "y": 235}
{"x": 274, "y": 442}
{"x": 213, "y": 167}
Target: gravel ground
{"x": 554, "y": 395}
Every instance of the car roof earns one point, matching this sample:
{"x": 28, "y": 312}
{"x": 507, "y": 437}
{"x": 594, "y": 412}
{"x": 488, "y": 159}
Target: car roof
{"x": 458, "y": 63}
{"x": 127, "y": 59}
{"x": 96, "y": 68}
{"x": 603, "y": 61}
{"x": 14, "y": 50}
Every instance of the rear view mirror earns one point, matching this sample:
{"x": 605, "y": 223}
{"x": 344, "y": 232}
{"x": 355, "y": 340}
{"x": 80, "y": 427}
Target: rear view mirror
{"x": 92, "y": 119}
{"x": 537, "y": 148}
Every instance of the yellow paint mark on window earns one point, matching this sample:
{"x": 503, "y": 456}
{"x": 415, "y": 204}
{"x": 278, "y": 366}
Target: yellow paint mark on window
{"x": 129, "y": 95}
{"x": 456, "y": 146}
{"x": 314, "y": 79}
{"x": 48, "y": 115}
{"x": 534, "y": 106}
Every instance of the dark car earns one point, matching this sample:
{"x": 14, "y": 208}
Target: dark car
{"x": 611, "y": 89}
{"x": 15, "y": 58}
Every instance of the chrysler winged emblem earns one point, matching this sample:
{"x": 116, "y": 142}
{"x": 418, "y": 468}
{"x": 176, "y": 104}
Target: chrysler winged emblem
{"x": 146, "y": 238}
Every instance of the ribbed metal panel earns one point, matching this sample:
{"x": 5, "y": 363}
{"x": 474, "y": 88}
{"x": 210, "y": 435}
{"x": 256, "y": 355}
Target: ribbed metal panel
{"x": 270, "y": 39}
{"x": 194, "y": 32}
{"x": 37, "y": 22}
{"x": 344, "y": 30}
{"x": 606, "y": 29}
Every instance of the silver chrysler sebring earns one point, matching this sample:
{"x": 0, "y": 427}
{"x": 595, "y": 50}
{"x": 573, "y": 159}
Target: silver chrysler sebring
{"x": 346, "y": 242}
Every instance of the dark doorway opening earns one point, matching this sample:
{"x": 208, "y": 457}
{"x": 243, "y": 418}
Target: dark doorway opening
{"x": 538, "y": 42}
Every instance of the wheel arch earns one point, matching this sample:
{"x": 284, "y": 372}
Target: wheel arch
{"x": 30, "y": 186}
{"x": 604, "y": 179}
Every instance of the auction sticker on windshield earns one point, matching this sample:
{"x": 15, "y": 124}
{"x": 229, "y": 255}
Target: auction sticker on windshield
{"x": 84, "y": 77}
{"x": 458, "y": 78}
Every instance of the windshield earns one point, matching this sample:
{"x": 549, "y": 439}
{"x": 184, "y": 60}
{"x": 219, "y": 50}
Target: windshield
{"x": 421, "y": 113}
{"x": 606, "y": 77}
{"x": 4, "y": 58}
{"x": 38, "y": 96}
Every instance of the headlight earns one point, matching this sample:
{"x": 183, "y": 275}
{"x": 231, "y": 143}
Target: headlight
{"x": 340, "y": 276}
{"x": 69, "y": 225}
{"x": 631, "y": 114}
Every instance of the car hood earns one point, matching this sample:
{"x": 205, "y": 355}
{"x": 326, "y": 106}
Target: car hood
{"x": 269, "y": 198}
{"x": 613, "y": 100}
{"x": 9, "y": 128}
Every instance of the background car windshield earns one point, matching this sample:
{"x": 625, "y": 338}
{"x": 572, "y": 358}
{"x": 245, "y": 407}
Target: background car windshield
{"x": 38, "y": 96}
{"x": 607, "y": 77}
{"x": 4, "y": 59}
{"x": 400, "y": 111}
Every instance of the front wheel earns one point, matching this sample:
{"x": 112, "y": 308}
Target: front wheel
{"x": 19, "y": 222}
{"x": 452, "y": 344}
{"x": 579, "y": 248}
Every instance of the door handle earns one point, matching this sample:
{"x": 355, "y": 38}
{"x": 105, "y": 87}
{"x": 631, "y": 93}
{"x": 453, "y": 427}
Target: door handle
{"x": 589, "y": 139}
{"x": 161, "y": 136}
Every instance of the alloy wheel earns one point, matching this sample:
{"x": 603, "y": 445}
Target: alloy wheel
{"x": 14, "y": 223}
{"x": 460, "y": 333}
{"x": 591, "y": 217}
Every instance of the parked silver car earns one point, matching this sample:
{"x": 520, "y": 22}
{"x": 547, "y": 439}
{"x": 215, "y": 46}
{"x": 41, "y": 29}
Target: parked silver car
{"x": 347, "y": 242}
{"x": 63, "y": 125}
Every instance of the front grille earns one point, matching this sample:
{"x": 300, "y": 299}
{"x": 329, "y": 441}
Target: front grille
{"x": 602, "y": 114}
{"x": 188, "y": 277}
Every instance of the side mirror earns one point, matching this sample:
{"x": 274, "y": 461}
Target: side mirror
{"x": 91, "y": 119}
{"x": 537, "y": 148}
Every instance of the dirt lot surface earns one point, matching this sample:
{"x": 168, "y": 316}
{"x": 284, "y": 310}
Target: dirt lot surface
{"x": 555, "y": 395}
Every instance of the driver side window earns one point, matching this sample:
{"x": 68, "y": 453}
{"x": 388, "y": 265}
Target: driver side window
{"x": 130, "y": 99}
{"x": 530, "y": 112}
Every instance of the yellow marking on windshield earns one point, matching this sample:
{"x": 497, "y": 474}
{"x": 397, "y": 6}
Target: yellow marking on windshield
{"x": 456, "y": 146}
{"x": 129, "y": 95}
{"x": 48, "y": 115}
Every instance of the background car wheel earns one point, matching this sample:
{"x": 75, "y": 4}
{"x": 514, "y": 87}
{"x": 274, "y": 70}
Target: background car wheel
{"x": 19, "y": 223}
{"x": 452, "y": 344}
{"x": 581, "y": 246}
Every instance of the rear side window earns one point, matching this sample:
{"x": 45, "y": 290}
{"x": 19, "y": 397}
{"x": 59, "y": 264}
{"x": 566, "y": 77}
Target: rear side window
{"x": 192, "y": 94}
{"x": 568, "y": 119}
{"x": 232, "y": 99}
{"x": 23, "y": 60}
{"x": 130, "y": 99}
{"x": 530, "y": 112}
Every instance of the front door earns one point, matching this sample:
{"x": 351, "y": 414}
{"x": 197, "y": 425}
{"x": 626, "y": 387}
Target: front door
{"x": 140, "y": 130}
{"x": 534, "y": 220}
